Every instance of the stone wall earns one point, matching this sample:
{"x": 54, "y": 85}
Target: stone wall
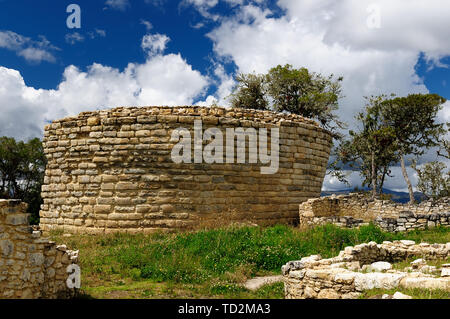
{"x": 112, "y": 171}
{"x": 30, "y": 266}
{"x": 364, "y": 267}
{"x": 356, "y": 209}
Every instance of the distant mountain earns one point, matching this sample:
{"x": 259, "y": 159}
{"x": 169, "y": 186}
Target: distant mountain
{"x": 399, "y": 197}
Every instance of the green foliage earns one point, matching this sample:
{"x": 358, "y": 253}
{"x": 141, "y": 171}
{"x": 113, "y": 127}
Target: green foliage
{"x": 212, "y": 263}
{"x": 306, "y": 93}
{"x": 372, "y": 149}
{"x": 230, "y": 290}
{"x": 273, "y": 291}
{"x": 444, "y": 147}
{"x": 297, "y": 91}
{"x": 392, "y": 128}
{"x": 434, "y": 180}
{"x": 226, "y": 289}
{"x": 250, "y": 92}
{"x": 416, "y": 293}
{"x": 202, "y": 256}
{"x": 413, "y": 119}
{"x": 22, "y": 166}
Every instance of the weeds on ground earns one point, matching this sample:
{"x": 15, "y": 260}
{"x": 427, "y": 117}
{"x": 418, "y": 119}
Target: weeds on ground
{"x": 216, "y": 261}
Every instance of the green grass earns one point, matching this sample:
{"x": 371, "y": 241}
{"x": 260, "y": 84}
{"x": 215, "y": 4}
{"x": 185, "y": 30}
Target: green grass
{"x": 407, "y": 263}
{"x": 213, "y": 263}
{"x": 416, "y": 293}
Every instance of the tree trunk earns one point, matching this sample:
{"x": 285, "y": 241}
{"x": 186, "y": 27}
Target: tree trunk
{"x": 374, "y": 177}
{"x": 382, "y": 180}
{"x": 405, "y": 175}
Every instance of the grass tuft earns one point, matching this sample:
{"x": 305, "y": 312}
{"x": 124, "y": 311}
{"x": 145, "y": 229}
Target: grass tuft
{"x": 218, "y": 260}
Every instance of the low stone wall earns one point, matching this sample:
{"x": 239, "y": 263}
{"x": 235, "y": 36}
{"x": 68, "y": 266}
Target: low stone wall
{"x": 407, "y": 220}
{"x": 343, "y": 277}
{"x": 357, "y": 209}
{"x": 30, "y": 266}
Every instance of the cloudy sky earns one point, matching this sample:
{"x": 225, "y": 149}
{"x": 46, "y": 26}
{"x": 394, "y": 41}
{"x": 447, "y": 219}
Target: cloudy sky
{"x": 167, "y": 52}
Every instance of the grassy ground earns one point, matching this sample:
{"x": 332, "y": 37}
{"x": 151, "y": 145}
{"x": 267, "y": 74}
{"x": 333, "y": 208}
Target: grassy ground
{"x": 415, "y": 293}
{"x": 407, "y": 263}
{"x": 211, "y": 263}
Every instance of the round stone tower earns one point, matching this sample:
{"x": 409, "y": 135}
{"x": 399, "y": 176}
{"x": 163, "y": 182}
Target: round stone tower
{"x": 139, "y": 169}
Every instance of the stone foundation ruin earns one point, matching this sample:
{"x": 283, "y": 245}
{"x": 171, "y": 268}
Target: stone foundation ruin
{"x": 364, "y": 267}
{"x": 30, "y": 266}
{"x": 112, "y": 170}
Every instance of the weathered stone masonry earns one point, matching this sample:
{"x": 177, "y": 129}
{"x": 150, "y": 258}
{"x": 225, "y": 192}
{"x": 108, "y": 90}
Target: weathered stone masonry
{"x": 112, "y": 171}
{"x": 344, "y": 277}
{"x": 30, "y": 266}
{"x": 357, "y": 209}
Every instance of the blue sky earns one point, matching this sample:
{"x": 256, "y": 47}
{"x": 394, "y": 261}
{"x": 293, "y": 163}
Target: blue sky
{"x": 167, "y": 52}
{"x": 124, "y": 30}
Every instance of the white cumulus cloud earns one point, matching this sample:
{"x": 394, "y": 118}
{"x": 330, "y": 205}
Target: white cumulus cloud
{"x": 154, "y": 43}
{"x": 74, "y": 37}
{"x": 163, "y": 79}
{"x": 339, "y": 37}
{"x": 120, "y": 5}
{"x": 34, "y": 51}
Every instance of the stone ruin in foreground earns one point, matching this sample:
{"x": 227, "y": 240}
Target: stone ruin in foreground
{"x": 31, "y": 266}
{"x": 364, "y": 267}
{"x": 112, "y": 170}
{"x": 357, "y": 209}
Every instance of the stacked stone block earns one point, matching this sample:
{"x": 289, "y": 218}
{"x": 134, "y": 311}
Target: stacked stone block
{"x": 357, "y": 209}
{"x": 342, "y": 277}
{"x": 111, "y": 171}
{"x": 30, "y": 266}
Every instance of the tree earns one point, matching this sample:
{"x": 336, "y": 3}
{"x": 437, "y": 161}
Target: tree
{"x": 297, "y": 91}
{"x": 371, "y": 150}
{"x": 413, "y": 119}
{"x": 22, "y": 167}
{"x": 306, "y": 93}
{"x": 250, "y": 92}
{"x": 444, "y": 147}
{"x": 433, "y": 181}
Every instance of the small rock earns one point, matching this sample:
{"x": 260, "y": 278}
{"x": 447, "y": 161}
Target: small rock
{"x": 427, "y": 269}
{"x": 309, "y": 293}
{"x": 351, "y": 295}
{"x": 285, "y": 269}
{"x": 380, "y": 266}
{"x": 310, "y": 260}
{"x": 399, "y": 295}
{"x": 328, "y": 294}
{"x": 445, "y": 271}
{"x": 348, "y": 250}
{"x": 418, "y": 263}
{"x": 408, "y": 242}
{"x": 36, "y": 234}
{"x": 61, "y": 247}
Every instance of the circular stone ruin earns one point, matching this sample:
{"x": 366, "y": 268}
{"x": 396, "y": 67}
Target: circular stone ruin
{"x": 114, "y": 170}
